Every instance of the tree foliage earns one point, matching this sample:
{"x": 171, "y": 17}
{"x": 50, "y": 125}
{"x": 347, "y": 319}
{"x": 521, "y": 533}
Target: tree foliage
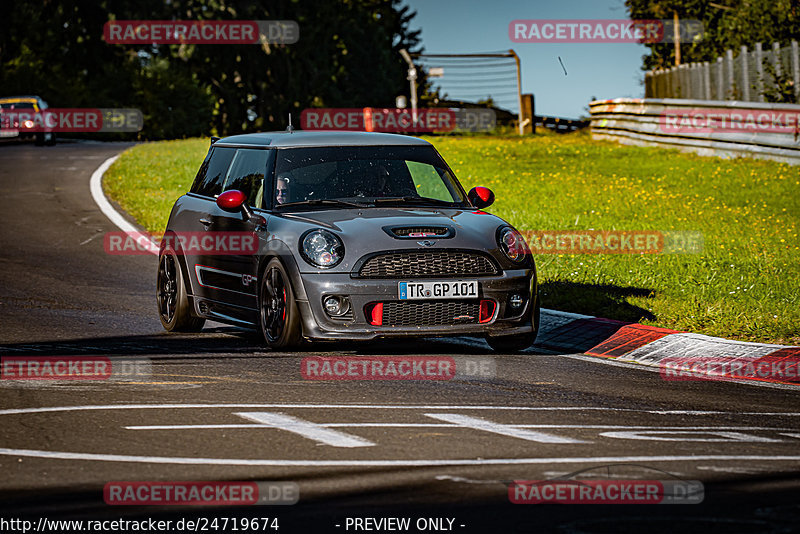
{"x": 347, "y": 55}
{"x": 728, "y": 24}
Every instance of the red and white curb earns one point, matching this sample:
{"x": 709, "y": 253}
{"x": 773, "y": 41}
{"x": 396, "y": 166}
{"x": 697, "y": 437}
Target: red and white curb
{"x": 678, "y": 355}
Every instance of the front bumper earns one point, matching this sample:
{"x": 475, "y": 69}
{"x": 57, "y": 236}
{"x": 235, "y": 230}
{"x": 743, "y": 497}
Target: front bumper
{"x": 317, "y": 325}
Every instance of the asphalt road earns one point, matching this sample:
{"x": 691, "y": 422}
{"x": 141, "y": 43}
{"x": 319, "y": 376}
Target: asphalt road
{"x": 216, "y": 406}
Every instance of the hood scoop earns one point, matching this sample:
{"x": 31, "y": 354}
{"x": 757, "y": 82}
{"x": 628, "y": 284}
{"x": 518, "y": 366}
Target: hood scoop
{"x": 427, "y": 231}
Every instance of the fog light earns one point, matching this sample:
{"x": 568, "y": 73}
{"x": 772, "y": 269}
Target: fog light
{"x": 336, "y": 306}
{"x": 515, "y": 301}
{"x": 333, "y": 306}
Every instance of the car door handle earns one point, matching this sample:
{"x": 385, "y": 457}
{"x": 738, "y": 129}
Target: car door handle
{"x": 205, "y": 222}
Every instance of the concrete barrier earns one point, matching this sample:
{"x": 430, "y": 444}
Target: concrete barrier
{"x": 706, "y": 127}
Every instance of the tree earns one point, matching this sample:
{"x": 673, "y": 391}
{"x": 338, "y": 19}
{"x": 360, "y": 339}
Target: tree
{"x": 347, "y": 56}
{"x": 728, "y": 24}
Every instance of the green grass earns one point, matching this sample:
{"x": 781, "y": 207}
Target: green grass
{"x": 147, "y": 179}
{"x": 744, "y": 285}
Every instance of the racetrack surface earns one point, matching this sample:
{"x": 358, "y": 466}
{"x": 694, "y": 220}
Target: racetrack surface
{"x": 374, "y": 449}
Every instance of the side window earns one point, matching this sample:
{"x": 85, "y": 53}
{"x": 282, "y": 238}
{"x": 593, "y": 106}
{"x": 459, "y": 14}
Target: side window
{"x": 428, "y": 182}
{"x": 212, "y": 173}
{"x": 247, "y": 174}
{"x": 201, "y": 173}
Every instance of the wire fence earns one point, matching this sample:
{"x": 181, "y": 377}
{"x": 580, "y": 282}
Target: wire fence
{"x": 758, "y": 75}
{"x": 474, "y": 79}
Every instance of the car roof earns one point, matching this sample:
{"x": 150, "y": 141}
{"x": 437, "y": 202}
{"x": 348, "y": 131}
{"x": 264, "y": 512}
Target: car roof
{"x": 303, "y": 138}
{"x": 12, "y": 99}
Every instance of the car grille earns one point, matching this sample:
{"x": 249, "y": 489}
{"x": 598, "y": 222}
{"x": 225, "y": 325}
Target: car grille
{"x": 439, "y": 263}
{"x": 430, "y": 313}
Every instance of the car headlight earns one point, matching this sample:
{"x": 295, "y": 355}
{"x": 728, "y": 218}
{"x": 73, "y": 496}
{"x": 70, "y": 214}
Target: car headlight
{"x": 512, "y": 244}
{"x": 321, "y": 248}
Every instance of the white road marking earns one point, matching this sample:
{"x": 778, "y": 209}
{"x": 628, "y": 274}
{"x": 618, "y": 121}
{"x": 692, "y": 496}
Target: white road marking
{"x": 80, "y": 408}
{"x": 90, "y": 239}
{"x": 307, "y": 429}
{"x": 469, "y": 480}
{"x": 604, "y": 472}
{"x": 96, "y": 188}
{"x": 12, "y": 411}
{"x": 684, "y": 436}
{"x": 59, "y": 455}
{"x": 734, "y": 470}
{"x": 63, "y": 455}
{"x": 476, "y": 423}
{"x": 446, "y": 425}
{"x": 326, "y": 425}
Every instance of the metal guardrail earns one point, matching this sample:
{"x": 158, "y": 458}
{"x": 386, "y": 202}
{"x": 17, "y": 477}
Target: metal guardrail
{"x": 750, "y": 129}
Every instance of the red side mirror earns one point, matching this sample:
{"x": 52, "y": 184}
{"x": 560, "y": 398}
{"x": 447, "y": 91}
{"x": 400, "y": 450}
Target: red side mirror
{"x": 231, "y": 201}
{"x": 481, "y": 197}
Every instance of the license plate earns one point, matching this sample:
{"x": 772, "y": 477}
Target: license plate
{"x": 459, "y": 289}
{"x": 9, "y": 133}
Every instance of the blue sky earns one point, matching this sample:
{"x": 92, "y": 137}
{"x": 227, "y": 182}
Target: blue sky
{"x": 593, "y": 70}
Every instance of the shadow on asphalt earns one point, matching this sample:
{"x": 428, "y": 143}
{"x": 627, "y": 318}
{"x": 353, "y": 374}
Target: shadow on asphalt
{"x": 229, "y": 340}
{"x": 609, "y": 301}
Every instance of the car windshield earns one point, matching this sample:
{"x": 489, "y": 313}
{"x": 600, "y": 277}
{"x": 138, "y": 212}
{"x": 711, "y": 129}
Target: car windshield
{"x": 342, "y": 177}
{"x": 16, "y": 105}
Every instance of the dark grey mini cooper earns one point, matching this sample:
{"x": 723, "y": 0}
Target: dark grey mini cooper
{"x": 342, "y": 236}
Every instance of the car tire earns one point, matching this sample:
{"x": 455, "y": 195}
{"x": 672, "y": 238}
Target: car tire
{"x": 520, "y": 342}
{"x": 39, "y": 139}
{"x": 278, "y": 316}
{"x": 174, "y": 308}
{"x": 51, "y": 140}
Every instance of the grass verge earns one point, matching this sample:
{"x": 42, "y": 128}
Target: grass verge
{"x": 744, "y": 284}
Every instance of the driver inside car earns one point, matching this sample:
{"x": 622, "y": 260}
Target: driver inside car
{"x": 282, "y": 189}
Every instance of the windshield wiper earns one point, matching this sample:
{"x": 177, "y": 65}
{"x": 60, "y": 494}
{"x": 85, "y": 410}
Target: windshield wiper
{"x": 415, "y": 200}
{"x": 322, "y": 202}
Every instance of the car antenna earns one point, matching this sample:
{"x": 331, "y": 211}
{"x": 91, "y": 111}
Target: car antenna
{"x": 289, "y": 128}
